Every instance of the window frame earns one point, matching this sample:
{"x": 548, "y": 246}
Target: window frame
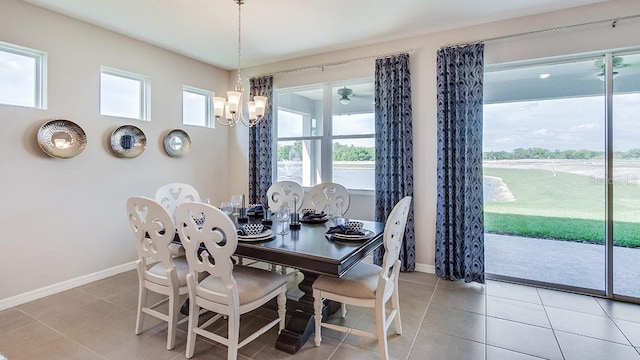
{"x": 325, "y": 138}
{"x": 209, "y": 120}
{"x": 40, "y": 72}
{"x": 144, "y": 91}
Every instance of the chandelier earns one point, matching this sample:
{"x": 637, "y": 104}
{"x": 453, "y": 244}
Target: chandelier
{"x": 229, "y": 112}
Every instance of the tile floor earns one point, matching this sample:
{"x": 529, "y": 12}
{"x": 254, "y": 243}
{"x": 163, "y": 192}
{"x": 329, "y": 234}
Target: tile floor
{"x": 441, "y": 320}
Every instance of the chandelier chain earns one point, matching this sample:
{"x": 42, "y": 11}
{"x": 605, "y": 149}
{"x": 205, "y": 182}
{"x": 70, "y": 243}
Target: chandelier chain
{"x": 239, "y": 37}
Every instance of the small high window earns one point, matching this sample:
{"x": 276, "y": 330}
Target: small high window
{"x": 123, "y": 94}
{"x": 22, "y": 76}
{"x": 196, "y": 107}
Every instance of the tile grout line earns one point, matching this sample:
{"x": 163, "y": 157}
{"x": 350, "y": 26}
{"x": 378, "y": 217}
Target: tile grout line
{"x": 435, "y": 288}
{"x": 555, "y": 336}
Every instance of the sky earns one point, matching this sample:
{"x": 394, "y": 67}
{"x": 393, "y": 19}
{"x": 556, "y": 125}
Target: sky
{"x": 561, "y": 124}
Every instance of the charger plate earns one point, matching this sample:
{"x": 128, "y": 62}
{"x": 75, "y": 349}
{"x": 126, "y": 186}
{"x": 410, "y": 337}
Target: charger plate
{"x": 128, "y": 141}
{"x": 62, "y": 139}
{"x": 177, "y": 143}
{"x": 368, "y": 234}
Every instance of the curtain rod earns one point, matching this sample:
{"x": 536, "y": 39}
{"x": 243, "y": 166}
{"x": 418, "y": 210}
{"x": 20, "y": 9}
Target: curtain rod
{"x": 337, "y": 63}
{"x": 613, "y": 21}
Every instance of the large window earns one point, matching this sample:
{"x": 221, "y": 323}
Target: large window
{"x": 123, "y": 94}
{"x": 196, "y": 107}
{"x": 326, "y": 133}
{"x": 22, "y": 76}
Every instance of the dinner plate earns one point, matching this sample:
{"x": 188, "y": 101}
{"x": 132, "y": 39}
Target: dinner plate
{"x": 128, "y": 141}
{"x": 177, "y": 143}
{"x": 367, "y": 235}
{"x": 315, "y": 220}
{"x": 62, "y": 139}
{"x": 266, "y": 234}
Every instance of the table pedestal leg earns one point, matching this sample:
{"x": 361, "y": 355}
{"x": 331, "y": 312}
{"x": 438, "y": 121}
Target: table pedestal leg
{"x": 301, "y": 323}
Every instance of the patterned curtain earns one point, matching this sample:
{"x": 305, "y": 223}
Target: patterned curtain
{"x": 459, "y": 212}
{"x": 260, "y": 140}
{"x": 394, "y": 147}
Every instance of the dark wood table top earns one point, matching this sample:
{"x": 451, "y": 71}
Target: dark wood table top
{"x": 308, "y": 249}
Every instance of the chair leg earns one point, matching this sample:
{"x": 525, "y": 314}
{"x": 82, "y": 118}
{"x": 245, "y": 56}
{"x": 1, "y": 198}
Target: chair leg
{"x": 395, "y": 303}
{"x": 343, "y": 310}
{"x": 282, "y": 307}
{"x": 381, "y": 333}
{"x": 142, "y": 301}
{"x": 194, "y": 313}
{"x": 233, "y": 336}
{"x": 317, "y": 307}
{"x": 174, "y": 309}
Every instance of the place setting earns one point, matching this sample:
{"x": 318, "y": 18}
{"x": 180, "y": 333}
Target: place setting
{"x": 349, "y": 231}
{"x": 310, "y": 216}
{"x": 255, "y": 232}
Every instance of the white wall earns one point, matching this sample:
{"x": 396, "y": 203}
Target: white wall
{"x": 64, "y": 219}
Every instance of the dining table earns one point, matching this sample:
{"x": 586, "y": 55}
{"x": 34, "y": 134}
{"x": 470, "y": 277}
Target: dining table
{"x": 309, "y": 249}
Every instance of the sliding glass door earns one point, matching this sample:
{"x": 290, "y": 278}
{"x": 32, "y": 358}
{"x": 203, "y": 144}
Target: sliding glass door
{"x": 626, "y": 174}
{"x": 562, "y": 173}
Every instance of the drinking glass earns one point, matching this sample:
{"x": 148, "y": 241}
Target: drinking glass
{"x": 284, "y": 216}
{"x": 227, "y": 207}
{"x": 236, "y": 202}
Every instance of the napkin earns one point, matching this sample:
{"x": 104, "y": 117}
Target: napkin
{"x": 342, "y": 229}
{"x": 313, "y": 216}
{"x": 255, "y": 210}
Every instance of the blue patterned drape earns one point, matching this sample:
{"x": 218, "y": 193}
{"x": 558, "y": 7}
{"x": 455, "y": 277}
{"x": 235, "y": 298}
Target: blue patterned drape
{"x": 459, "y": 212}
{"x": 260, "y": 140}
{"x": 394, "y": 147}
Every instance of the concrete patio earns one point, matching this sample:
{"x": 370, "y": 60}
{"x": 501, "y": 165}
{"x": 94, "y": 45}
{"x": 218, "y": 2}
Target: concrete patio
{"x": 562, "y": 262}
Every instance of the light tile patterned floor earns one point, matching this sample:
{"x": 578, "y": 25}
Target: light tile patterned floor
{"x": 441, "y": 320}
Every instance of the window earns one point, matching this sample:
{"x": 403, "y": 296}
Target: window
{"x": 196, "y": 107}
{"x": 22, "y": 76}
{"x": 326, "y": 133}
{"x": 123, "y": 94}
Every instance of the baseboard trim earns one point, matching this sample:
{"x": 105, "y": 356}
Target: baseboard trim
{"x": 429, "y": 269}
{"x": 65, "y": 285}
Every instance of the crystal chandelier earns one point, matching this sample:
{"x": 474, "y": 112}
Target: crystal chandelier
{"x": 228, "y": 111}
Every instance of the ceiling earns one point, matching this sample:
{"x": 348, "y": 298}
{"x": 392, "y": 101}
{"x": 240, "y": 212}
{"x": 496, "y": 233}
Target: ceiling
{"x": 276, "y": 30}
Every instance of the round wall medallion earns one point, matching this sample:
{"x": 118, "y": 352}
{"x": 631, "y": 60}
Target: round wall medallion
{"x": 128, "y": 141}
{"x": 62, "y": 139}
{"x": 177, "y": 143}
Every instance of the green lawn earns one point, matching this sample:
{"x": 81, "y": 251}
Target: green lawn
{"x": 562, "y": 206}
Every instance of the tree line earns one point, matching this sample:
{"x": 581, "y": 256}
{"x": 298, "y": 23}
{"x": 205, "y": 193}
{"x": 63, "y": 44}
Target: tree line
{"x": 539, "y": 153}
{"x": 341, "y": 152}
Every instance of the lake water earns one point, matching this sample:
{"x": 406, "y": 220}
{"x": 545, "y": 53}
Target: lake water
{"x": 363, "y": 179}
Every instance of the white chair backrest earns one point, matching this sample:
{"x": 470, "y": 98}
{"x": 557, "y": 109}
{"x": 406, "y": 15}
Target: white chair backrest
{"x": 328, "y": 197}
{"x": 219, "y": 236}
{"x": 283, "y": 192}
{"x": 174, "y": 194}
{"x": 394, "y": 233}
{"x": 153, "y": 229}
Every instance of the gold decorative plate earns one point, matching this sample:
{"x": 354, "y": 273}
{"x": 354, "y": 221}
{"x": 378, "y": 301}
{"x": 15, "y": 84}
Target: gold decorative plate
{"x": 62, "y": 139}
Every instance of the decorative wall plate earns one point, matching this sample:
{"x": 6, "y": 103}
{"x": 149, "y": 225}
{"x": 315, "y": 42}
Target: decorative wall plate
{"x": 128, "y": 141}
{"x": 177, "y": 143}
{"x": 62, "y": 139}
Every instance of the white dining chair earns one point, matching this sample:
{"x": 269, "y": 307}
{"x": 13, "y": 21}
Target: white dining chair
{"x": 368, "y": 285}
{"x": 158, "y": 270}
{"x": 170, "y": 196}
{"x": 284, "y": 192}
{"x": 228, "y": 291}
{"x": 174, "y": 194}
{"x": 332, "y": 198}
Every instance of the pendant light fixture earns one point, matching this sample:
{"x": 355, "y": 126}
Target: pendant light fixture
{"x": 229, "y": 111}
